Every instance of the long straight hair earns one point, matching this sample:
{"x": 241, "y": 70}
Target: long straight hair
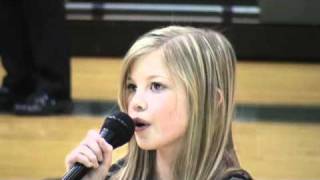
{"x": 204, "y": 61}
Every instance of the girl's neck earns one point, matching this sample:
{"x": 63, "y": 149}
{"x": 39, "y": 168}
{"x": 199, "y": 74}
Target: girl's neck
{"x": 165, "y": 159}
{"x": 163, "y": 167}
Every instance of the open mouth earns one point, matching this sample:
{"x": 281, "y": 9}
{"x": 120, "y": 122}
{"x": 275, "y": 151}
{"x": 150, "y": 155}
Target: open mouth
{"x": 140, "y": 124}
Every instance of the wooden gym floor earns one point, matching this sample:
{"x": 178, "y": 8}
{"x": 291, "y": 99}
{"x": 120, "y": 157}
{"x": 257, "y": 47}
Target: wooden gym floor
{"x": 270, "y": 147}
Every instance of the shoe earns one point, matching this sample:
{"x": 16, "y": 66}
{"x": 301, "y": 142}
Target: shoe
{"x": 42, "y": 103}
{"x": 6, "y": 99}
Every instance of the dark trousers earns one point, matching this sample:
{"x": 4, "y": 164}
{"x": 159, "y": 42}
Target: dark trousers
{"x": 34, "y": 47}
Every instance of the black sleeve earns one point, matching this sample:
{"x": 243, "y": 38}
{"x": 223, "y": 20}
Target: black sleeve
{"x": 237, "y": 174}
{"x": 115, "y": 168}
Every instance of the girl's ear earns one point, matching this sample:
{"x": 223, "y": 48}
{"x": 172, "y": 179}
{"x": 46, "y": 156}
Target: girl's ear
{"x": 220, "y": 96}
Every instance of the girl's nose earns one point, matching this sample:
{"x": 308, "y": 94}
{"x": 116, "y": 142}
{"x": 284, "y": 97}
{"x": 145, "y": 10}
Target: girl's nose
{"x": 138, "y": 103}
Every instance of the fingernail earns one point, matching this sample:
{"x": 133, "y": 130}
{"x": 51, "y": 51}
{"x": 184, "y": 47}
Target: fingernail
{"x": 90, "y": 165}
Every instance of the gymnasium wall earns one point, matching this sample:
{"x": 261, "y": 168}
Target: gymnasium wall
{"x": 259, "y": 30}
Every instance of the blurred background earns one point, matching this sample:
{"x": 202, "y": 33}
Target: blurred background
{"x": 277, "y": 122}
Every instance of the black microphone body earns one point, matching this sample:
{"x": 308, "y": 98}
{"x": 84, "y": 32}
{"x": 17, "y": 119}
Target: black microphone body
{"x": 116, "y": 130}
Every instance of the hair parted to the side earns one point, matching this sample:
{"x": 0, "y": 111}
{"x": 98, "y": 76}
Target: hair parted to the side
{"x": 204, "y": 61}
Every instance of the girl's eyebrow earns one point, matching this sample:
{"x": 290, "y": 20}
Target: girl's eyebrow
{"x": 157, "y": 76}
{"x": 150, "y": 77}
{"x": 130, "y": 79}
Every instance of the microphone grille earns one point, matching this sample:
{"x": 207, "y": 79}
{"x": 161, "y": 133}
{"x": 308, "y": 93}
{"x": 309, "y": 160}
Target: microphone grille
{"x": 122, "y": 125}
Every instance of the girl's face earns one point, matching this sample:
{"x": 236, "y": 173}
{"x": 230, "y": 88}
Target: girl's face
{"x": 156, "y": 102}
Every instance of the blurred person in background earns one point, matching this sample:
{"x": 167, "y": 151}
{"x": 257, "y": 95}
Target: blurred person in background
{"x": 35, "y": 55}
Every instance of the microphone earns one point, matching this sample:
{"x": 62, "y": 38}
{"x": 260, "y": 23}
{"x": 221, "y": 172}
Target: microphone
{"x": 117, "y": 130}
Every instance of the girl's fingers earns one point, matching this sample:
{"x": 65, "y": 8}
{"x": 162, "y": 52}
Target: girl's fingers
{"x": 89, "y": 147}
{"x": 106, "y": 151}
{"x": 82, "y": 159}
{"x": 90, "y": 154}
{"x": 81, "y": 154}
{"x": 93, "y": 137}
{"x": 93, "y": 146}
{"x": 93, "y": 152}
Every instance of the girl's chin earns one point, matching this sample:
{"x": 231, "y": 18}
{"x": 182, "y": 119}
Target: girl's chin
{"x": 147, "y": 147}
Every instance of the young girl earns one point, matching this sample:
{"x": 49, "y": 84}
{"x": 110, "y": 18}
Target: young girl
{"x": 177, "y": 83}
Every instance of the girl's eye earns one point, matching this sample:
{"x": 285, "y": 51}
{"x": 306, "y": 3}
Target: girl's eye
{"x": 155, "y": 86}
{"x": 131, "y": 87}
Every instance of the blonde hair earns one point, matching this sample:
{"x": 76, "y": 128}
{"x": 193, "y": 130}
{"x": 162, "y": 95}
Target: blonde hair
{"x": 204, "y": 61}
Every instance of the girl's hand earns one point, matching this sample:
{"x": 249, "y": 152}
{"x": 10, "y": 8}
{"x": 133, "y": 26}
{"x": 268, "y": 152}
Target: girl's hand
{"x": 93, "y": 152}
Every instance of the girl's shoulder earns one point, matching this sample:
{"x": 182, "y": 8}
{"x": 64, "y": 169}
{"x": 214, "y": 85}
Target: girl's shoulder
{"x": 229, "y": 174}
{"x": 236, "y": 174}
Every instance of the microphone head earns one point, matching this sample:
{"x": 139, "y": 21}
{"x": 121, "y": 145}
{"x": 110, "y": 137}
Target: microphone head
{"x": 122, "y": 126}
